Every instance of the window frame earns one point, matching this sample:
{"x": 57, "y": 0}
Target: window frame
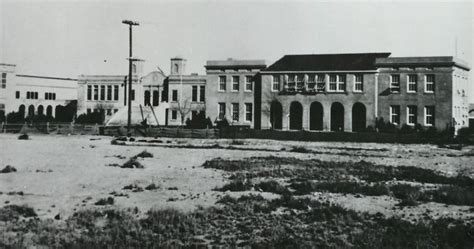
{"x": 412, "y": 83}
{"x": 174, "y": 95}
{"x": 276, "y": 83}
{"x": 426, "y": 115}
{"x": 194, "y": 93}
{"x": 202, "y": 93}
{"x": 396, "y": 88}
{"x": 174, "y": 115}
{"x": 248, "y": 112}
{"x": 116, "y": 92}
{"x": 397, "y": 115}
{"x": 235, "y": 113}
{"x": 235, "y": 83}
{"x": 432, "y": 83}
{"x": 248, "y": 81}
{"x": 222, "y": 84}
{"x": 358, "y": 83}
{"x": 221, "y": 115}
{"x": 413, "y": 115}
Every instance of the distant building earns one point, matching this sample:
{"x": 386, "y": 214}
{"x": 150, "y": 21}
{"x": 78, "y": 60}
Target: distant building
{"x": 230, "y": 90}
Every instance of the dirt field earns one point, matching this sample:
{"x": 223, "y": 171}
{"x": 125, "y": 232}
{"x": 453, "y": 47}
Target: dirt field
{"x": 62, "y": 176}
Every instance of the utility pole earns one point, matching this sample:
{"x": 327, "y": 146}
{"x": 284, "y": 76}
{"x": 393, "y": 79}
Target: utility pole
{"x": 130, "y": 24}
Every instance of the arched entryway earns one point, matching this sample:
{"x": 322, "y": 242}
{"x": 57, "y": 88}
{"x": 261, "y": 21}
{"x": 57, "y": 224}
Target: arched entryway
{"x": 31, "y": 111}
{"x": 276, "y": 115}
{"x": 359, "y": 117}
{"x": 49, "y": 111}
{"x": 316, "y": 116}
{"x": 296, "y": 116}
{"x": 337, "y": 117}
{"x": 40, "y": 110}
{"x": 21, "y": 110}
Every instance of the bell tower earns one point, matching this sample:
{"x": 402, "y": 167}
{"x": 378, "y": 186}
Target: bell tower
{"x": 178, "y": 66}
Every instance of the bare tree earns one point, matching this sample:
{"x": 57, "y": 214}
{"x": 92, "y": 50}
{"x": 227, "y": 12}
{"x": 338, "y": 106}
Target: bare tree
{"x": 183, "y": 108}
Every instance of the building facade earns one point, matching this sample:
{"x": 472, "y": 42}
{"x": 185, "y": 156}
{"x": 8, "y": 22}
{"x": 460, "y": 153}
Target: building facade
{"x": 230, "y": 90}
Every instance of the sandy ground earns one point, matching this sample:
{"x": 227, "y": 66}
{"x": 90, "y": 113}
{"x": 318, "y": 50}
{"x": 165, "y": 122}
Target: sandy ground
{"x": 61, "y": 174}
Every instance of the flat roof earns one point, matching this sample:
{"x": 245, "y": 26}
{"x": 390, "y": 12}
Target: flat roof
{"x": 45, "y": 77}
{"x": 233, "y": 63}
{"x": 422, "y": 61}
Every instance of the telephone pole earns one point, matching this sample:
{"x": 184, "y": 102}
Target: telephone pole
{"x": 129, "y": 121}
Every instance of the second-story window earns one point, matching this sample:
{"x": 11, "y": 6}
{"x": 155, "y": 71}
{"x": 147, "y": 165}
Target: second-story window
{"x": 394, "y": 83}
{"x": 358, "y": 83}
{"x": 311, "y": 82}
{"x": 235, "y": 83}
{"x": 195, "y": 94}
{"x": 17, "y": 94}
{"x": 299, "y": 82}
{"x": 174, "y": 95}
{"x": 4, "y": 81}
{"x": 429, "y": 83}
{"x": 202, "y": 93}
{"x": 96, "y": 92}
{"x": 320, "y": 83}
{"x": 275, "y": 83}
{"x": 116, "y": 92}
{"x": 412, "y": 83}
{"x": 248, "y": 83}
{"x": 89, "y": 92}
{"x": 222, "y": 83}
{"x": 109, "y": 92}
{"x": 337, "y": 83}
{"x": 102, "y": 92}
{"x": 291, "y": 82}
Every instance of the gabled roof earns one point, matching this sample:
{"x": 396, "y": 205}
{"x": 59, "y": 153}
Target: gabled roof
{"x": 327, "y": 62}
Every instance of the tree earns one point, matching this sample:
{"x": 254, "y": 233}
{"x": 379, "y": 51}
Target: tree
{"x": 271, "y": 97}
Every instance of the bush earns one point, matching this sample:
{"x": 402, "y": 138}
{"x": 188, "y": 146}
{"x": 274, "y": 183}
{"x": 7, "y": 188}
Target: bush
{"x": 236, "y": 186}
{"x": 15, "y": 117}
{"x": 152, "y": 187}
{"x": 143, "y": 154}
{"x": 23, "y": 137}
{"x": 105, "y": 201}
{"x": 8, "y": 169}
{"x": 199, "y": 121}
{"x": 272, "y": 187}
{"x": 13, "y": 212}
{"x": 132, "y": 163}
{"x": 91, "y": 118}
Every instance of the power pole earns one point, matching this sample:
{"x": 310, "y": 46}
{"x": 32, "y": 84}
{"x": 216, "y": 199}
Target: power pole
{"x": 130, "y": 24}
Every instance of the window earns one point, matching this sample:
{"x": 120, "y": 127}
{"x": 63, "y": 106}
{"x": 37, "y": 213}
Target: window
{"x": 116, "y": 92}
{"x": 395, "y": 83}
{"x": 109, "y": 92}
{"x": 275, "y": 83}
{"x": 395, "y": 114}
{"x": 291, "y": 82}
{"x": 235, "y": 112}
{"x": 411, "y": 115}
{"x": 17, "y": 94}
{"x": 4, "y": 80}
{"x": 96, "y": 92}
{"x": 174, "y": 115}
{"x": 147, "y": 98}
{"x": 429, "y": 115}
{"x": 28, "y": 95}
{"x": 89, "y": 92}
{"x": 221, "y": 111}
{"x": 429, "y": 83}
{"x": 311, "y": 82}
{"x": 174, "y": 96}
{"x": 222, "y": 83}
{"x": 235, "y": 83}
{"x": 202, "y": 93}
{"x": 155, "y": 98}
{"x": 248, "y": 83}
{"x": 248, "y": 112}
{"x": 299, "y": 82}
{"x": 337, "y": 83}
{"x": 358, "y": 83}
{"x": 195, "y": 94}
{"x": 412, "y": 83}
{"x": 132, "y": 97}
{"x": 320, "y": 82}
{"x": 54, "y": 96}
{"x": 36, "y": 95}
{"x": 102, "y": 92}
{"x": 88, "y": 110}
{"x": 46, "y": 96}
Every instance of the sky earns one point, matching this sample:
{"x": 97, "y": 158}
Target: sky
{"x": 69, "y": 38}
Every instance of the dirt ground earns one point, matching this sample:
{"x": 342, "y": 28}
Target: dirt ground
{"x": 63, "y": 174}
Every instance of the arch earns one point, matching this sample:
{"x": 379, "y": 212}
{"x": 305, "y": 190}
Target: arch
{"x": 316, "y": 113}
{"x": 40, "y": 110}
{"x": 156, "y": 96}
{"x": 147, "y": 97}
{"x": 359, "y": 117}
{"x": 276, "y": 115}
{"x": 337, "y": 117}
{"x": 21, "y": 110}
{"x": 31, "y": 111}
{"x": 296, "y": 116}
{"x": 49, "y": 111}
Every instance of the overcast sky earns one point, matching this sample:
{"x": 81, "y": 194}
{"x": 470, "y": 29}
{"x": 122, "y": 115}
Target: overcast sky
{"x": 68, "y": 38}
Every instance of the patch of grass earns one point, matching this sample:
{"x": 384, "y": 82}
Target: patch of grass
{"x": 236, "y": 185}
{"x": 237, "y": 142}
{"x": 307, "y": 187}
{"x": 8, "y": 169}
{"x": 272, "y": 186}
{"x": 105, "y": 201}
{"x": 300, "y": 149}
{"x": 14, "y": 212}
{"x": 152, "y": 186}
{"x": 143, "y": 154}
{"x": 132, "y": 163}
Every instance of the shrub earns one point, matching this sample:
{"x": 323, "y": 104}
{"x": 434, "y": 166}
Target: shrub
{"x": 13, "y": 212}
{"x": 300, "y": 149}
{"x": 105, "y": 201}
{"x": 152, "y": 187}
{"x": 8, "y": 169}
{"x": 143, "y": 154}
{"x": 272, "y": 187}
{"x": 23, "y": 137}
{"x": 236, "y": 186}
{"x": 132, "y": 163}
{"x": 91, "y": 118}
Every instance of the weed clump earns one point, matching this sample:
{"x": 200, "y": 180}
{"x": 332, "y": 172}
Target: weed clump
{"x": 132, "y": 163}
{"x": 272, "y": 186}
{"x": 23, "y": 137}
{"x": 236, "y": 186}
{"x": 152, "y": 187}
{"x": 143, "y": 154}
{"x": 300, "y": 149}
{"x": 105, "y": 201}
{"x": 14, "y": 212}
{"x": 8, "y": 169}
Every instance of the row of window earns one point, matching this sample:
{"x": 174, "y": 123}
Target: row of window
{"x": 107, "y": 111}
{"x": 197, "y": 91}
{"x": 235, "y": 111}
{"x": 412, "y": 115}
{"x": 30, "y": 95}
{"x": 235, "y": 82}
{"x": 412, "y": 83}
{"x": 107, "y": 92}
{"x": 4, "y": 81}
{"x": 154, "y": 96}
{"x": 34, "y": 95}
{"x": 50, "y": 96}
{"x": 316, "y": 82}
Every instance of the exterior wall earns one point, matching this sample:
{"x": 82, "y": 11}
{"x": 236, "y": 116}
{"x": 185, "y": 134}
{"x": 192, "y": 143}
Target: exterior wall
{"x": 441, "y": 98}
{"x": 9, "y": 69}
{"x": 242, "y": 96}
{"x": 65, "y": 91}
{"x": 184, "y": 106}
{"x": 460, "y": 107}
{"x": 347, "y": 99}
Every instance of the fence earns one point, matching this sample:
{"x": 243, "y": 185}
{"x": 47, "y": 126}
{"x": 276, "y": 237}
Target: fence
{"x": 50, "y": 128}
{"x": 161, "y": 132}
